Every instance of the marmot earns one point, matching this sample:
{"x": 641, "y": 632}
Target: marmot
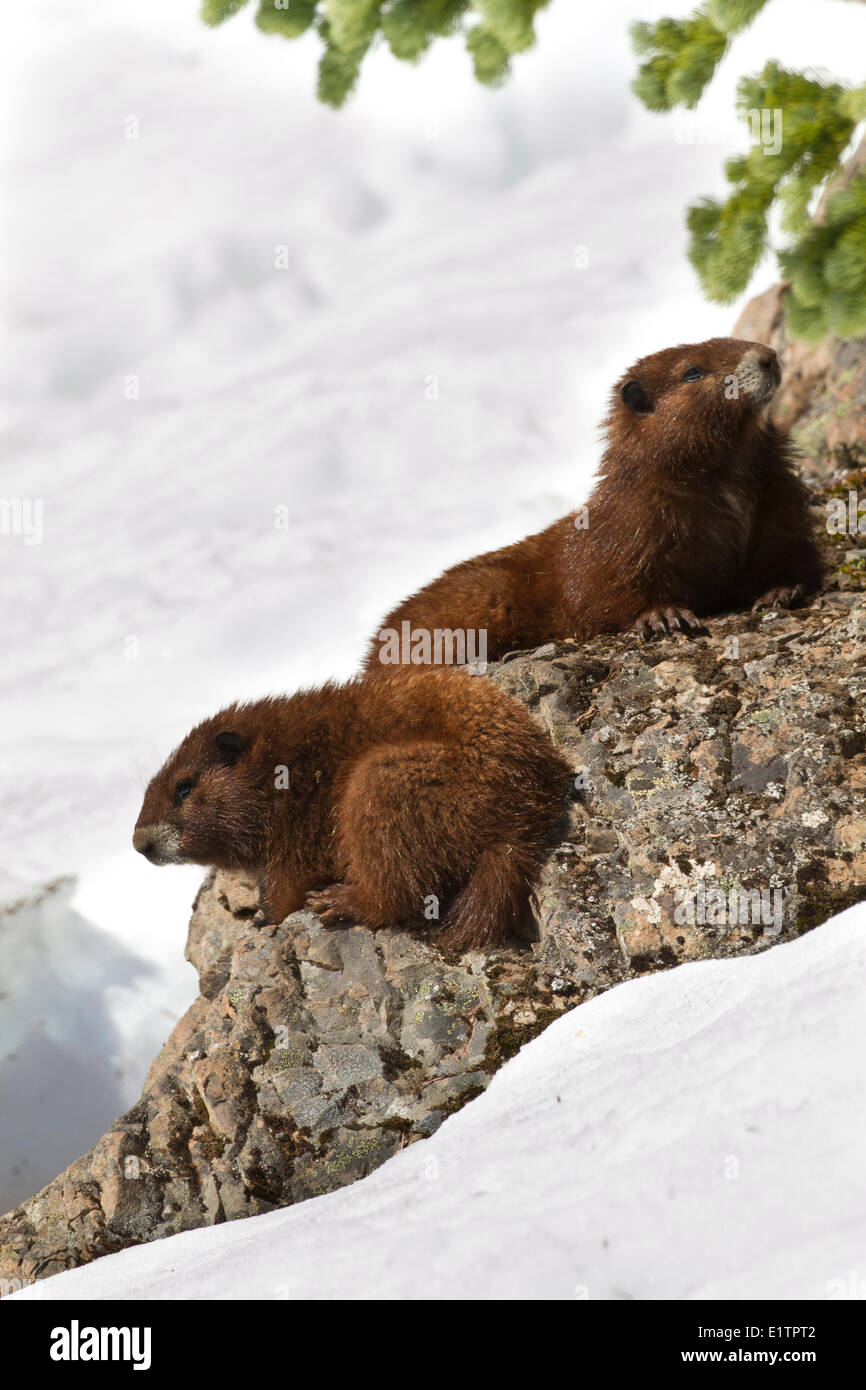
{"x": 373, "y": 802}
{"x": 697, "y": 510}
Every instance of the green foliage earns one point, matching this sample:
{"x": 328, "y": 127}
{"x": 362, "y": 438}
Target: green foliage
{"x": 340, "y": 63}
{"x": 734, "y": 15}
{"x": 489, "y": 58}
{"x": 510, "y": 21}
{"x": 683, "y": 53}
{"x": 727, "y": 240}
{"x": 409, "y": 26}
{"x": 352, "y": 23}
{"x": 215, "y": 11}
{"x": 493, "y": 30}
{"x": 338, "y": 73}
{"x": 827, "y": 269}
{"x": 853, "y": 104}
{"x": 801, "y": 127}
{"x": 292, "y": 18}
{"x": 785, "y": 166}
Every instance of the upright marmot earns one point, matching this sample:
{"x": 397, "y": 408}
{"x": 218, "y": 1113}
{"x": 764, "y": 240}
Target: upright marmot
{"x": 697, "y": 510}
{"x": 373, "y": 802}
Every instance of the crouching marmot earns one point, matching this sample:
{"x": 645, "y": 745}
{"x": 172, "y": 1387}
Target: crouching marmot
{"x": 373, "y": 802}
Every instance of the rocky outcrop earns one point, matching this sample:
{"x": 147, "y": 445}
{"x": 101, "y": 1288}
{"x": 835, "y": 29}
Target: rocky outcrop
{"x": 719, "y": 807}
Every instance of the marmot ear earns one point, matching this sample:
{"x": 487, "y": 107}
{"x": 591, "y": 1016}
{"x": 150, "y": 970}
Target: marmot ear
{"x": 229, "y": 746}
{"x": 636, "y": 398}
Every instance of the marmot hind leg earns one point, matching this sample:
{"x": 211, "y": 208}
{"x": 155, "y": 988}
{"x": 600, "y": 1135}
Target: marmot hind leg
{"x": 411, "y": 825}
{"x": 488, "y": 909}
{"x": 416, "y": 828}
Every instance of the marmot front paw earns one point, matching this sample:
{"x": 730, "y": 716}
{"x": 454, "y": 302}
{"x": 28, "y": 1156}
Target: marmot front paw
{"x": 333, "y": 904}
{"x": 782, "y": 597}
{"x": 654, "y": 622}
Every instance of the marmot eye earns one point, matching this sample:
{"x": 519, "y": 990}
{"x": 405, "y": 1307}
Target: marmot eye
{"x": 182, "y": 790}
{"x": 693, "y": 373}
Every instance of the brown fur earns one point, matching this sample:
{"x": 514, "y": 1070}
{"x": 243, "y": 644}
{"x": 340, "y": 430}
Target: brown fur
{"x": 429, "y": 783}
{"x": 697, "y": 510}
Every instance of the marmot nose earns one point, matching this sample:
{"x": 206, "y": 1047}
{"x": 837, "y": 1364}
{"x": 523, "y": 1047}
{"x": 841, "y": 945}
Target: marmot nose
{"x": 142, "y": 841}
{"x": 768, "y": 362}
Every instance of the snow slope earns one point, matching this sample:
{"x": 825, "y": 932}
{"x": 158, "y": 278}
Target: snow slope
{"x": 57, "y": 1019}
{"x": 168, "y": 388}
{"x": 694, "y": 1134}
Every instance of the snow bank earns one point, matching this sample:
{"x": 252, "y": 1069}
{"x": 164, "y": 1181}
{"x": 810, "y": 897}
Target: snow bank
{"x": 61, "y": 1072}
{"x": 698, "y": 1133}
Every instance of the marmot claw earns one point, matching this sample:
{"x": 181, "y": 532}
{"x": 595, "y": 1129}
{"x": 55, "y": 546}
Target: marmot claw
{"x": 654, "y": 622}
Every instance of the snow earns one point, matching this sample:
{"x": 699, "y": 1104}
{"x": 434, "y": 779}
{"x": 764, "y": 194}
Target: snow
{"x": 169, "y": 389}
{"x": 57, "y": 1019}
{"x": 699, "y": 1133}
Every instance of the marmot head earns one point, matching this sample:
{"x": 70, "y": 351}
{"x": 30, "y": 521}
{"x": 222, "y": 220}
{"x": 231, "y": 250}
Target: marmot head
{"x": 202, "y": 806}
{"x": 694, "y": 401}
